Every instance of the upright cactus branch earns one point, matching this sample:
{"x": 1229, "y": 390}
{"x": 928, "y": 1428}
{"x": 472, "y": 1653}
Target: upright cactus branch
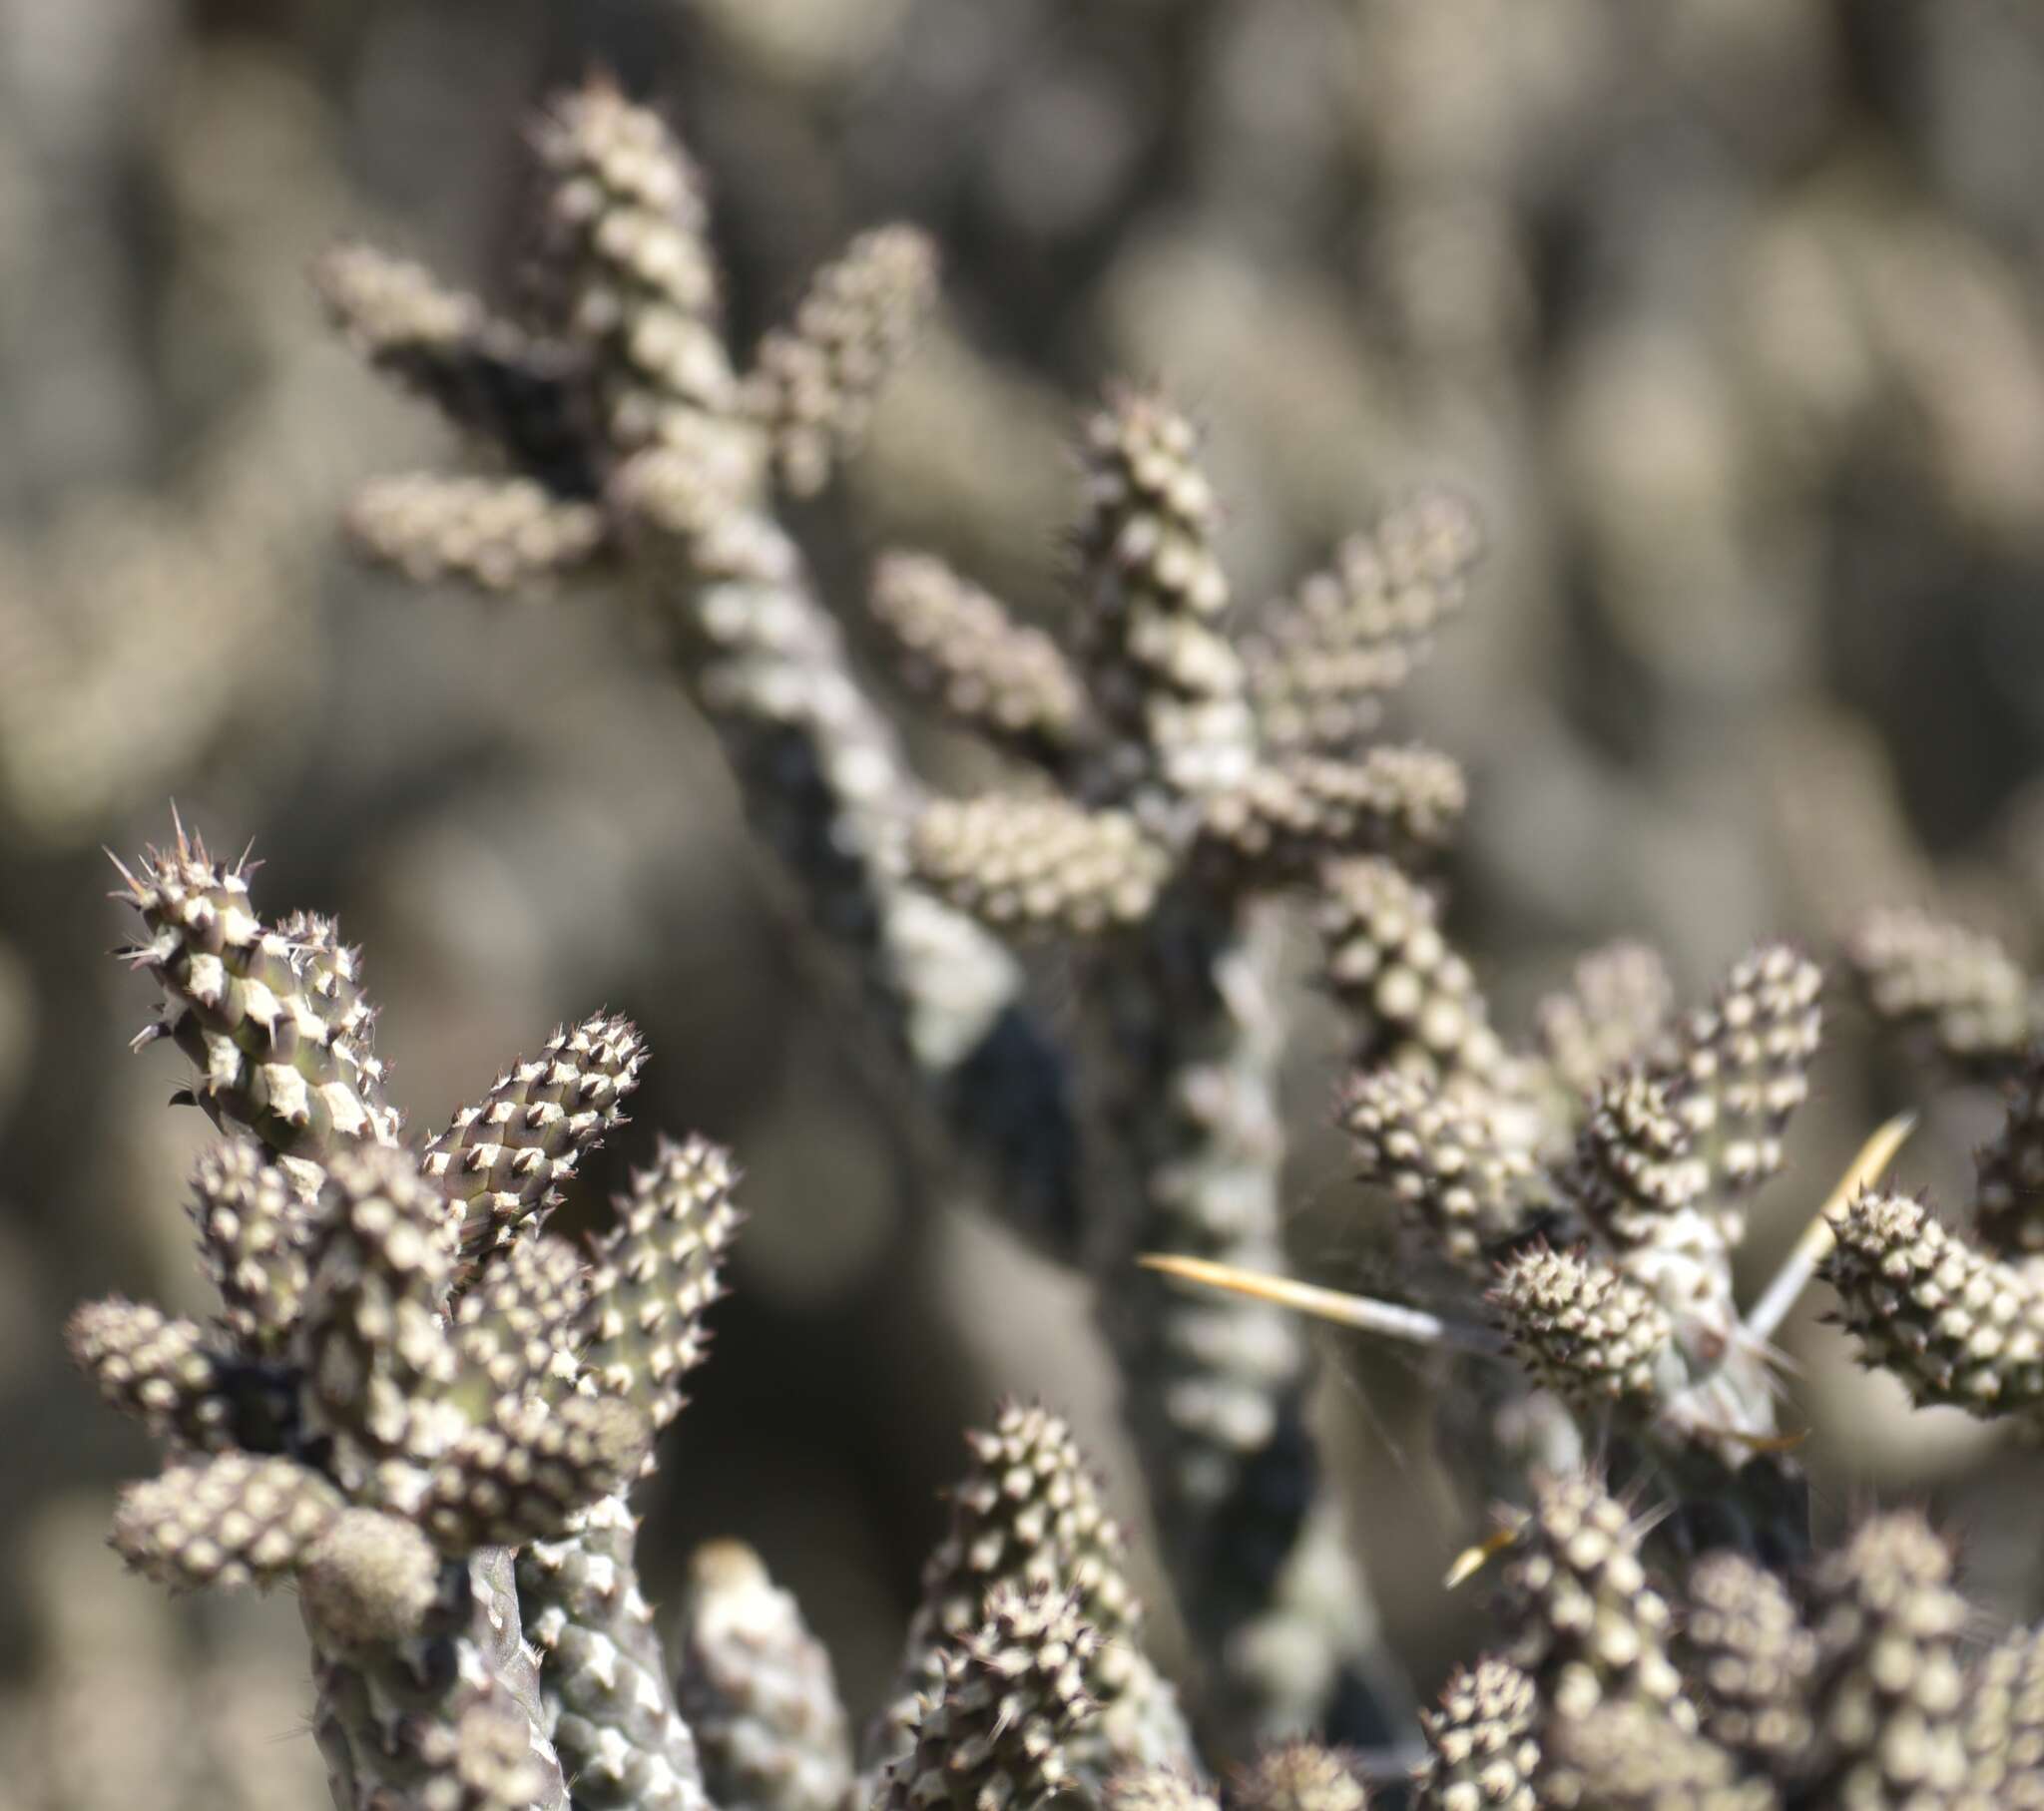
{"x": 1171, "y": 820}
{"x": 408, "y": 1380}
{"x": 627, "y": 392}
{"x": 757, "y": 1688}
{"x": 1029, "y": 1516}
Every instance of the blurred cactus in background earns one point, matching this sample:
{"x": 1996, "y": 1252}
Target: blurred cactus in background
{"x": 1441, "y": 1191}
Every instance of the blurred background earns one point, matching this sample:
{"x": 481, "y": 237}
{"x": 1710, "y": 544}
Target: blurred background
{"x": 1728, "y": 312}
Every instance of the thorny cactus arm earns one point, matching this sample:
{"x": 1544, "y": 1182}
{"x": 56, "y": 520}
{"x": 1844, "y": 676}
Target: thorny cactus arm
{"x": 1956, "y": 1326}
{"x": 758, "y": 1690}
{"x": 1300, "y": 1776}
{"x": 813, "y": 383}
{"x": 1411, "y": 994}
{"x": 953, "y": 642}
{"x": 1039, "y": 864}
{"x": 1028, "y": 1516}
{"x": 680, "y": 448}
{"x": 1482, "y": 1754}
{"x": 408, "y": 1380}
{"x": 1320, "y": 663}
{"x": 1610, "y": 1016}
{"x": 1588, "y": 1627}
{"x": 502, "y": 1160}
{"x": 1840, "y": 1686}
{"x": 1171, "y": 825}
{"x": 1955, "y": 989}
{"x": 624, "y": 392}
{"x": 609, "y": 1697}
{"x": 1887, "y": 1696}
{"x": 501, "y": 533}
{"x": 1738, "y": 1068}
{"x": 1748, "y": 1658}
{"x": 271, "y": 1019}
{"x": 1213, "y": 1391}
{"x": 993, "y": 1734}
{"x": 2004, "y": 1723}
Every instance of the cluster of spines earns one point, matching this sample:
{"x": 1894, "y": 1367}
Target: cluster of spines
{"x": 1589, "y": 1626}
{"x": 1299, "y": 1775}
{"x": 1749, "y": 1657}
{"x": 1625, "y": 1138}
{"x": 1635, "y": 1165}
{"x": 271, "y": 1019}
{"x": 1157, "y": 1789}
{"x": 1483, "y": 1753}
{"x": 1444, "y": 1157}
{"x": 1584, "y": 1329}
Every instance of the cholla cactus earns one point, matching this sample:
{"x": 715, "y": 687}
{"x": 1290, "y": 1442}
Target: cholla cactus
{"x": 1589, "y": 1627}
{"x": 408, "y": 1379}
{"x": 1028, "y": 1516}
{"x": 1591, "y": 1215}
{"x": 615, "y": 393}
{"x": 1959, "y": 989}
{"x": 1845, "y": 1687}
{"x": 757, "y": 1688}
{"x": 424, "y": 1413}
{"x": 1321, "y": 663}
{"x": 1013, "y": 1690}
{"x": 1192, "y": 776}
{"x": 1482, "y": 1750}
{"x": 1301, "y": 1776}
{"x": 1956, "y": 1326}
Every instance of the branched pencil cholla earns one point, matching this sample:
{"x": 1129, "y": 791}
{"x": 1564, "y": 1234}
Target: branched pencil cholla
{"x": 426, "y": 1412}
